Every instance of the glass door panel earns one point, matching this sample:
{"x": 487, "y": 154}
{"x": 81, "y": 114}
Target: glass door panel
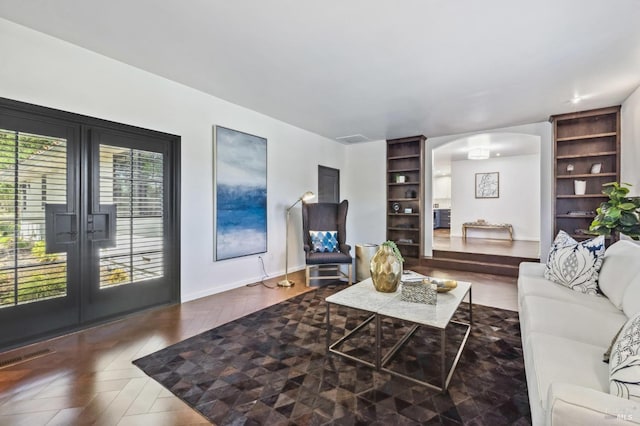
{"x": 33, "y": 173}
{"x": 132, "y": 179}
{"x": 127, "y": 226}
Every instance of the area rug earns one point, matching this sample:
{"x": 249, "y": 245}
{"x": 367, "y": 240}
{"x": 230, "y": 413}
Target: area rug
{"x": 271, "y": 368}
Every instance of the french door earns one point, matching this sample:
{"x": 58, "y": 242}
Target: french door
{"x": 88, "y": 223}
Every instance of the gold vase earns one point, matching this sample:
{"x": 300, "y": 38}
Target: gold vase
{"x": 386, "y": 270}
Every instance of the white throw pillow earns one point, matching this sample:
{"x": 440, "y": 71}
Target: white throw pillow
{"x": 631, "y": 298}
{"x": 620, "y": 265}
{"x": 575, "y": 264}
{"x": 624, "y": 363}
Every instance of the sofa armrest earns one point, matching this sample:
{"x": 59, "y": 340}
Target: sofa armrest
{"x": 576, "y": 405}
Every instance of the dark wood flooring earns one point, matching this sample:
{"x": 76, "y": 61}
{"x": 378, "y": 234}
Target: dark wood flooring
{"x": 89, "y": 379}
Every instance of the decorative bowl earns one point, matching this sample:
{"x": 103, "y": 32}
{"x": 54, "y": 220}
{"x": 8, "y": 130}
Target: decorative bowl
{"x": 444, "y": 285}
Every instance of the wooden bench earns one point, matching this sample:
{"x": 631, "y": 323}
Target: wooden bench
{"x": 483, "y": 225}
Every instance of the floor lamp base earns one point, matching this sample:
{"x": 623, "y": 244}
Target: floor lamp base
{"x": 285, "y": 283}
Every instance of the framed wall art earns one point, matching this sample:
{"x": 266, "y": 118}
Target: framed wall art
{"x": 488, "y": 185}
{"x": 240, "y": 193}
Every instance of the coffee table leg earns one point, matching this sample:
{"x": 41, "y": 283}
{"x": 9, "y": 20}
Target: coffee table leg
{"x": 328, "y": 342}
{"x": 443, "y": 366}
{"x": 378, "y": 342}
{"x": 470, "y": 309}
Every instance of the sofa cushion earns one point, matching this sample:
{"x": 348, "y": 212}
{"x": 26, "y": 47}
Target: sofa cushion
{"x": 551, "y": 359}
{"x": 531, "y": 286}
{"x": 531, "y": 269}
{"x": 581, "y": 323}
{"x": 624, "y": 363}
{"x": 575, "y": 264}
{"x": 620, "y": 265}
{"x": 631, "y": 298}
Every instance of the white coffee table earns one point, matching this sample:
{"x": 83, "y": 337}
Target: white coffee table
{"x": 363, "y": 296}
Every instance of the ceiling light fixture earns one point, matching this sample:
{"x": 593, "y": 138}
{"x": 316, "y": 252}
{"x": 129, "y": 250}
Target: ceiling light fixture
{"x": 575, "y": 99}
{"x": 480, "y": 153}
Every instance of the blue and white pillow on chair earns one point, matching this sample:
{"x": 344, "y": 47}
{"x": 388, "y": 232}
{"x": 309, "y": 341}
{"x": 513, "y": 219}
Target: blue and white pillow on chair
{"x": 575, "y": 264}
{"x": 324, "y": 241}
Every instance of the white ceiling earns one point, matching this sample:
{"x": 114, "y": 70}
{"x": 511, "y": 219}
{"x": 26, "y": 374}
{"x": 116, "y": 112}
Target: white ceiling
{"x": 380, "y": 68}
{"x": 499, "y": 144}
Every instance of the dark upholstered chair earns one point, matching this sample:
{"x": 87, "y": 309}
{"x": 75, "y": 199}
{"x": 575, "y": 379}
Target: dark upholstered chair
{"x": 326, "y": 217}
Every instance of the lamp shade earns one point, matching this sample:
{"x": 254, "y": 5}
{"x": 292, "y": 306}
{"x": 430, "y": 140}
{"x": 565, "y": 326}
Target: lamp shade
{"x": 308, "y": 196}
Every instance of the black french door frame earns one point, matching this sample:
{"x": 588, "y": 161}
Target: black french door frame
{"x": 86, "y": 304}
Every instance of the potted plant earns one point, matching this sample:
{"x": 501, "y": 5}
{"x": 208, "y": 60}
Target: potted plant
{"x": 386, "y": 267}
{"x": 619, "y": 214}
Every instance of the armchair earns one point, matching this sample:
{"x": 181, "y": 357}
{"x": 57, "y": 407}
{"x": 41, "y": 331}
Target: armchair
{"x": 326, "y": 217}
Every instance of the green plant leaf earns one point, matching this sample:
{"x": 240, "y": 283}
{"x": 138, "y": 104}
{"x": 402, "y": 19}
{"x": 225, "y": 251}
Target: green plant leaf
{"x": 627, "y": 206}
{"x": 628, "y": 219}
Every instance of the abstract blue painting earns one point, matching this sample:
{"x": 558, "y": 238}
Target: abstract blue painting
{"x": 240, "y": 194}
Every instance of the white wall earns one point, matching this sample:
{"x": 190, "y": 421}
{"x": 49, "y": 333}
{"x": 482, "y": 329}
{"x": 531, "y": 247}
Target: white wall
{"x": 52, "y": 73}
{"x": 518, "y": 202}
{"x": 365, "y": 185}
{"x": 630, "y": 136}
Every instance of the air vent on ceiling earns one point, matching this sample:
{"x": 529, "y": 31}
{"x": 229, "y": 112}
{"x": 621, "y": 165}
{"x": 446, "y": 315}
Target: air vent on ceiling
{"x": 353, "y": 139}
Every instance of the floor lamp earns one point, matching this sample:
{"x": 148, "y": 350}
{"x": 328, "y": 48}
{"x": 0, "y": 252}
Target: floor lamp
{"x": 286, "y": 283}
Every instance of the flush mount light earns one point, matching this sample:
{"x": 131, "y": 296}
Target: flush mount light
{"x": 479, "y": 153}
{"x": 575, "y": 99}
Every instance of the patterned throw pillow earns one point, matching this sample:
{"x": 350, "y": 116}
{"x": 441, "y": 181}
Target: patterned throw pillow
{"x": 575, "y": 264}
{"x": 324, "y": 241}
{"x": 624, "y": 363}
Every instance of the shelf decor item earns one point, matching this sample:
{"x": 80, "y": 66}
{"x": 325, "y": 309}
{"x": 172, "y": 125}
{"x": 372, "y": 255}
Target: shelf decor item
{"x": 596, "y": 168}
{"x": 619, "y": 215}
{"x": 400, "y": 179}
{"x": 386, "y": 267}
{"x": 579, "y": 187}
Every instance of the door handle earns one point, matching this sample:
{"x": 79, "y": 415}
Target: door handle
{"x": 101, "y": 226}
{"x": 61, "y": 228}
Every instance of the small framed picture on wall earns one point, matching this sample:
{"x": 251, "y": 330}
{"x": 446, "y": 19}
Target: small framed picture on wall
{"x": 488, "y": 185}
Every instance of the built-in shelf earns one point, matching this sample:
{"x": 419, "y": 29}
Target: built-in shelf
{"x": 583, "y": 137}
{"x": 586, "y": 155}
{"x": 403, "y": 183}
{"x": 583, "y": 196}
{"x": 405, "y": 156}
{"x": 583, "y": 140}
{"x": 587, "y": 175}
{"x": 402, "y": 170}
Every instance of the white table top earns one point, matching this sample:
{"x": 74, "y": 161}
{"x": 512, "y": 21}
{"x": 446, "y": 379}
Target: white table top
{"x": 363, "y": 295}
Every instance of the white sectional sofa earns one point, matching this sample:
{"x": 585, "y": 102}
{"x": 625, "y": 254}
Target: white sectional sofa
{"x": 565, "y": 334}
